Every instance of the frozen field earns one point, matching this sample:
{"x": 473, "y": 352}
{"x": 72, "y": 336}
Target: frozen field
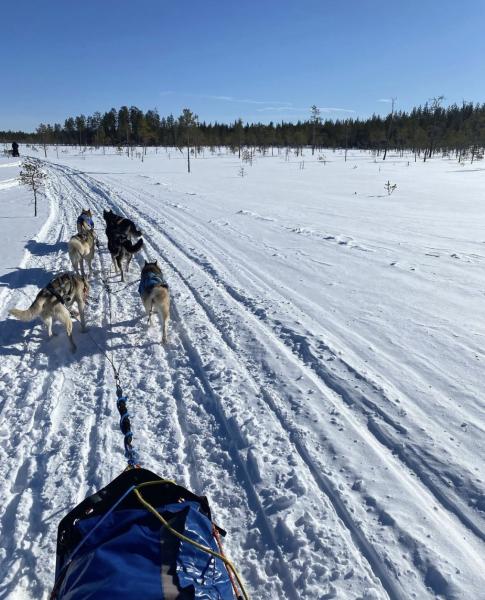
{"x": 323, "y": 383}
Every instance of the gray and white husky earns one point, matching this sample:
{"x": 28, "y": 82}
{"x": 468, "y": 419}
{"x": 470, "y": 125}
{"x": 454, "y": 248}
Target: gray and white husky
{"x": 53, "y": 302}
{"x": 155, "y": 295}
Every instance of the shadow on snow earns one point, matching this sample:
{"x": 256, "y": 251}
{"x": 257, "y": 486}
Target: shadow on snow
{"x": 42, "y": 249}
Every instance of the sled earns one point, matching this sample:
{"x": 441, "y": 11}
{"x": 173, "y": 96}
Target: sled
{"x": 142, "y": 537}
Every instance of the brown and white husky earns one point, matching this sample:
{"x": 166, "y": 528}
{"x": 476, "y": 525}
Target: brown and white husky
{"x": 155, "y": 295}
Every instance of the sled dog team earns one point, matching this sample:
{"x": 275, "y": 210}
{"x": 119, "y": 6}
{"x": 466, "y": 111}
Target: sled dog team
{"x": 55, "y": 301}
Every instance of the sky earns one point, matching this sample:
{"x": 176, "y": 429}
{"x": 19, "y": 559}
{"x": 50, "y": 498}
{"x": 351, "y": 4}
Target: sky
{"x": 259, "y": 60}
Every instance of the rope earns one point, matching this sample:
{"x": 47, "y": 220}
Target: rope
{"x": 125, "y": 427}
{"x": 217, "y": 537}
{"x": 124, "y": 287}
{"x": 184, "y": 538}
{"x": 125, "y": 423}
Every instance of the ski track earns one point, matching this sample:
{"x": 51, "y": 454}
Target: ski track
{"x": 455, "y": 490}
{"x": 208, "y": 410}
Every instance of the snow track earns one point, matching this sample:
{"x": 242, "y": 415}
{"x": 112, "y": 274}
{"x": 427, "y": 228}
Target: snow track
{"x": 246, "y": 404}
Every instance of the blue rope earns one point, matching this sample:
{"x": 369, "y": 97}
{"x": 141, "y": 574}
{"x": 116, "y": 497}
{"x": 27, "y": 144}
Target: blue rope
{"x": 125, "y": 427}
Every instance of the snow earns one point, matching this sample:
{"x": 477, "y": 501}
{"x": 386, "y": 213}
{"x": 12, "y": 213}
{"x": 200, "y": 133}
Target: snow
{"x": 322, "y": 384}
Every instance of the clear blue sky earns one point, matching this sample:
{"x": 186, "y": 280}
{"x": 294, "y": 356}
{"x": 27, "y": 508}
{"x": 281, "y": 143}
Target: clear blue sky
{"x": 259, "y": 60}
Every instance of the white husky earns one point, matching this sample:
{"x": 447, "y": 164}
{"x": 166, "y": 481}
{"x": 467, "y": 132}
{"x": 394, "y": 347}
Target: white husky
{"x": 81, "y": 248}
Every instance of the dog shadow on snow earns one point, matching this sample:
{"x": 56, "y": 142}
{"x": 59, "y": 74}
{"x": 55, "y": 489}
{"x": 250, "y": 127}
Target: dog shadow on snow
{"x": 13, "y": 333}
{"x": 51, "y": 354}
{"x": 19, "y": 278}
{"x": 42, "y": 249}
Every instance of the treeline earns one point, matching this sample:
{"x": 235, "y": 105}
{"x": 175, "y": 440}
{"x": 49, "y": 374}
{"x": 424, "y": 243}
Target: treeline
{"x": 424, "y": 130}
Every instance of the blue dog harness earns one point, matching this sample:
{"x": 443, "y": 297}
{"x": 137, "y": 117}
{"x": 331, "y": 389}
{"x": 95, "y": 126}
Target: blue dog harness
{"x": 87, "y": 220}
{"x": 148, "y": 282}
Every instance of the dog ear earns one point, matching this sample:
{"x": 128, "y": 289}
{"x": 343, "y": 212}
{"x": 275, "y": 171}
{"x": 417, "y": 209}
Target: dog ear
{"x": 156, "y": 263}
{"x": 146, "y": 261}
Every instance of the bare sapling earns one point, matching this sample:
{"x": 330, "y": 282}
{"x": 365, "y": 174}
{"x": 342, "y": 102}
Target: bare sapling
{"x": 390, "y": 187}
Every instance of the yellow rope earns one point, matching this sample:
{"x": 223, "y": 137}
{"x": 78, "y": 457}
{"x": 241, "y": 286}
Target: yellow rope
{"x": 184, "y": 538}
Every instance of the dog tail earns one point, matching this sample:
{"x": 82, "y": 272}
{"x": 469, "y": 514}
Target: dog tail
{"x": 33, "y": 311}
{"x": 132, "y": 248}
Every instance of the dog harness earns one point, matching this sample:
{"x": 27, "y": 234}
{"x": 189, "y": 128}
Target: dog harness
{"x": 85, "y": 219}
{"x": 56, "y": 295}
{"x": 148, "y": 282}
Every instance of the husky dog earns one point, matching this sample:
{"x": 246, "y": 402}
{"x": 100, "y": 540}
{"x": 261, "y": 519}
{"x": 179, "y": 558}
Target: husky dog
{"x": 119, "y": 231}
{"x": 155, "y": 295}
{"x": 85, "y": 221}
{"x": 81, "y": 248}
{"x": 54, "y": 301}
{"x": 122, "y": 250}
{"x": 120, "y": 224}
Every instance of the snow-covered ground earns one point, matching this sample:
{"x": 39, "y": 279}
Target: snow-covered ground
{"x": 323, "y": 380}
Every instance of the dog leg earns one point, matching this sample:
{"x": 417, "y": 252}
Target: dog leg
{"x": 148, "y": 305}
{"x": 166, "y": 318}
{"x": 75, "y": 264}
{"x": 48, "y": 324}
{"x": 65, "y": 318}
{"x": 90, "y": 261}
{"x": 120, "y": 266}
{"x": 82, "y": 317}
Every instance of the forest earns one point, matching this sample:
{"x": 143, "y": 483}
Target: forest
{"x": 424, "y": 130}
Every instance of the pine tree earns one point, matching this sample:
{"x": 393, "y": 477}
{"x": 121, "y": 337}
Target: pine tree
{"x": 80, "y": 126}
{"x": 389, "y": 128}
{"x": 32, "y": 176}
{"x": 124, "y": 125}
{"x": 187, "y": 123}
{"x": 315, "y": 120}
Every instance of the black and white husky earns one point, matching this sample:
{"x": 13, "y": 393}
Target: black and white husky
{"x": 53, "y": 302}
{"x": 120, "y": 224}
{"x": 119, "y": 231}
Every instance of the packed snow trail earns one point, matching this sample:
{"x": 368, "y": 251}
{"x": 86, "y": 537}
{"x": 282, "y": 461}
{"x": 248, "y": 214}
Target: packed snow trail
{"x": 245, "y": 405}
